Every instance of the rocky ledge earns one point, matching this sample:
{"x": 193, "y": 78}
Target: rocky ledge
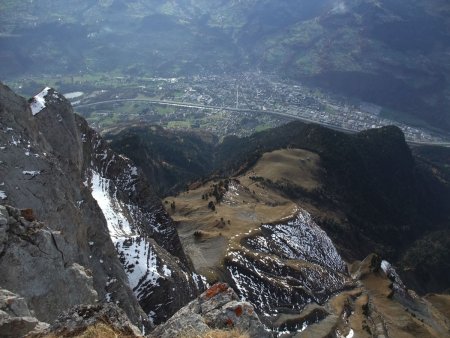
{"x": 217, "y": 312}
{"x": 16, "y": 319}
{"x": 218, "y": 307}
{"x": 102, "y": 319}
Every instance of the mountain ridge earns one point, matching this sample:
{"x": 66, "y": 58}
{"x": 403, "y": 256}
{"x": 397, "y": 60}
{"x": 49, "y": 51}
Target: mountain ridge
{"x": 58, "y": 167}
{"x": 386, "y": 197}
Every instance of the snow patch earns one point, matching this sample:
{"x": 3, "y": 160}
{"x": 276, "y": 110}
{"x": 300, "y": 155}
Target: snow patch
{"x": 111, "y": 281}
{"x": 15, "y": 142}
{"x": 297, "y": 239}
{"x": 111, "y": 207}
{"x": 38, "y": 102}
{"x": 31, "y": 172}
{"x": 166, "y": 271}
{"x": 3, "y": 195}
{"x": 140, "y": 262}
{"x": 151, "y": 317}
{"x": 385, "y": 265}
{"x": 350, "y": 334}
{"x": 200, "y": 280}
{"x": 136, "y": 253}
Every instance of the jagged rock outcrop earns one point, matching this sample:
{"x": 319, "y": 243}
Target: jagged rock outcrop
{"x": 80, "y": 318}
{"x": 288, "y": 265}
{"x": 217, "y": 308}
{"x": 16, "y": 319}
{"x": 34, "y": 254}
{"x": 91, "y": 205}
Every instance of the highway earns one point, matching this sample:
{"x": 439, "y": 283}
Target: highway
{"x": 233, "y": 109}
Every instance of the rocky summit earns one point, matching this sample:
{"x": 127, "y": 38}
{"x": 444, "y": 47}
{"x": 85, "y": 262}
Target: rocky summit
{"x": 81, "y": 224}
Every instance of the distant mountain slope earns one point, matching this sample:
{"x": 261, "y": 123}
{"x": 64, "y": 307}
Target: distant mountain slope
{"x": 389, "y": 52}
{"x": 386, "y": 198}
{"x": 390, "y": 197}
{"x": 169, "y": 159}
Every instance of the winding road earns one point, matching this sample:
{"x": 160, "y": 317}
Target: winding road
{"x": 233, "y": 109}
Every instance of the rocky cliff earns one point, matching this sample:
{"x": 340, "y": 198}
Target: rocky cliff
{"x": 87, "y": 228}
{"x": 283, "y": 267}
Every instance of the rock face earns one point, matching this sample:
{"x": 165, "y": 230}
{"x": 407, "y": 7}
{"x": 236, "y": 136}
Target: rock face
{"x": 287, "y": 266}
{"x": 97, "y": 217}
{"x": 81, "y": 317}
{"x": 143, "y": 234}
{"x": 34, "y": 253}
{"x": 217, "y": 308}
{"x": 16, "y": 319}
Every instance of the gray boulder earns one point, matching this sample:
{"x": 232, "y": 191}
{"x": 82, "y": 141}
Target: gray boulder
{"x": 79, "y": 318}
{"x": 217, "y": 308}
{"x": 16, "y": 320}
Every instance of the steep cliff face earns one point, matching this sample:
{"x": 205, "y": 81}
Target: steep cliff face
{"x": 104, "y": 237}
{"x": 283, "y": 267}
{"x": 143, "y": 234}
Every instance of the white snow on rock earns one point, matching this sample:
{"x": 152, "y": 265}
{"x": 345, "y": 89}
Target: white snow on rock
{"x": 392, "y": 274}
{"x": 38, "y": 101}
{"x": 140, "y": 261}
{"x": 385, "y": 265}
{"x": 350, "y": 334}
{"x": 301, "y": 238}
{"x": 3, "y": 195}
{"x": 261, "y": 274}
{"x": 166, "y": 271}
{"x": 135, "y": 252}
{"x": 198, "y": 280}
{"x": 31, "y": 172}
{"x": 151, "y": 317}
{"x": 113, "y": 210}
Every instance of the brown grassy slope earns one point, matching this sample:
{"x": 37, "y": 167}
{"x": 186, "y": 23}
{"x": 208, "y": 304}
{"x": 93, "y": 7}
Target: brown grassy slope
{"x": 247, "y": 204}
